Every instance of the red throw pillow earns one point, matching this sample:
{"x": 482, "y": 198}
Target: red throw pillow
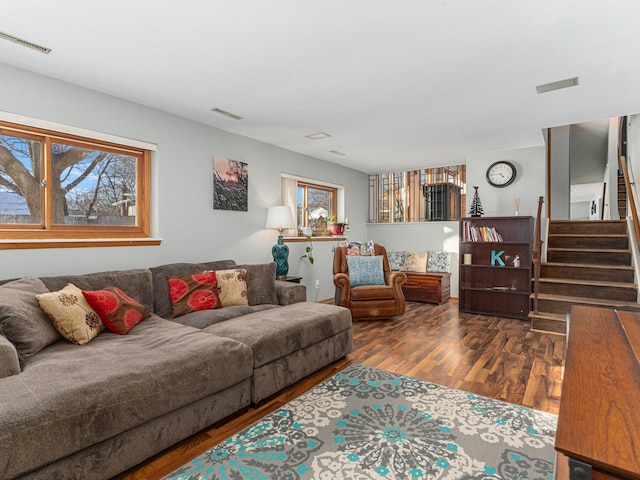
{"x": 118, "y": 311}
{"x": 190, "y": 293}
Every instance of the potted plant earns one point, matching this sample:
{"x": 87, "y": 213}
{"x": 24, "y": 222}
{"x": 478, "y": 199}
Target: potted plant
{"x": 335, "y": 228}
{"x": 309, "y": 252}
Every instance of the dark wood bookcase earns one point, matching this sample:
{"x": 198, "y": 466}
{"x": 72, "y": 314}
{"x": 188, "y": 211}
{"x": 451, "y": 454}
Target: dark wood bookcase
{"x": 496, "y": 289}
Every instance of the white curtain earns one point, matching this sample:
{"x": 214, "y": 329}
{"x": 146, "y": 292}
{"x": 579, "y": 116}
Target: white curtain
{"x": 290, "y": 199}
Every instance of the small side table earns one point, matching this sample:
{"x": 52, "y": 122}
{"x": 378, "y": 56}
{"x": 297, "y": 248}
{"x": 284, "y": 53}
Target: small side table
{"x": 288, "y": 278}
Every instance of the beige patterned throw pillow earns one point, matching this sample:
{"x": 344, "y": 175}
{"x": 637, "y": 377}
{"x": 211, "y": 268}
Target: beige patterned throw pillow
{"x": 71, "y": 314}
{"x": 415, "y": 262}
{"x": 232, "y": 287}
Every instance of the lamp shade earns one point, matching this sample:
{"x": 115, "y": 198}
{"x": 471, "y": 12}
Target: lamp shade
{"x": 279, "y": 217}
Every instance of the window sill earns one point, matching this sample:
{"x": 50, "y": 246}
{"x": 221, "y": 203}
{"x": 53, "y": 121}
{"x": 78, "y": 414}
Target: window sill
{"x": 315, "y": 239}
{"x": 16, "y": 244}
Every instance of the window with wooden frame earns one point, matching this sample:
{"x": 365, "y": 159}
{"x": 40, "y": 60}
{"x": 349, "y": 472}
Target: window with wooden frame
{"x": 315, "y": 205}
{"x": 63, "y": 190}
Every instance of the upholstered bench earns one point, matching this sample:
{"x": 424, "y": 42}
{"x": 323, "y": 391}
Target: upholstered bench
{"x": 289, "y": 342}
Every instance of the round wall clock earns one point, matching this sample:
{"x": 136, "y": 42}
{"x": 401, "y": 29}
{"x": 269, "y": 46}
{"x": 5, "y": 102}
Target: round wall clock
{"x": 501, "y": 174}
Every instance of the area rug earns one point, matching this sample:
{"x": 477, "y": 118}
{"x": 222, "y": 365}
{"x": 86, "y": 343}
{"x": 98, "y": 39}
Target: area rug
{"x": 366, "y": 423}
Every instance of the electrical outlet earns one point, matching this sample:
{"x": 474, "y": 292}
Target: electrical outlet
{"x": 317, "y": 283}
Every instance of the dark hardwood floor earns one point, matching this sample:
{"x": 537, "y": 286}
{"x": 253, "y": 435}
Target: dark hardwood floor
{"x": 492, "y": 356}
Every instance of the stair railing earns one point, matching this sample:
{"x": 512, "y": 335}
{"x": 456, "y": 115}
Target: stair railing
{"x": 537, "y": 255}
{"x": 630, "y": 196}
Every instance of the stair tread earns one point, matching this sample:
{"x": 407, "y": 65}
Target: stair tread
{"x": 593, "y": 250}
{"x": 591, "y": 235}
{"x": 588, "y": 265}
{"x": 596, "y": 283}
{"x": 586, "y": 221}
{"x": 558, "y": 317}
{"x": 585, "y": 300}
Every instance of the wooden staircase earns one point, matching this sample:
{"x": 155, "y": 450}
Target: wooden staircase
{"x": 588, "y": 263}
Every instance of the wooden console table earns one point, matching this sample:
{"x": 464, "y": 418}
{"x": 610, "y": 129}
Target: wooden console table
{"x": 427, "y": 287}
{"x": 599, "y": 419}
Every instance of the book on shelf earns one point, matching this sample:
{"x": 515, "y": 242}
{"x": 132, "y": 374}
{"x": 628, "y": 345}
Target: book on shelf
{"x": 472, "y": 233}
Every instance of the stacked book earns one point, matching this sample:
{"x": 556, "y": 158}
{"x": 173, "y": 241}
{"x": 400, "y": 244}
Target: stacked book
{"x": 471, "y": 233}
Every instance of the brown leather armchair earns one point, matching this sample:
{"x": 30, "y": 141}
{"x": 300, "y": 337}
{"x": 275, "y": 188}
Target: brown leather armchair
{"x": 368, "y": 301}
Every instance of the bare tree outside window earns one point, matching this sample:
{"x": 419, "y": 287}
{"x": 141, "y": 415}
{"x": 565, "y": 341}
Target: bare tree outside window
{"x": 61, "y": 190}
{"x": 88, "y": 185}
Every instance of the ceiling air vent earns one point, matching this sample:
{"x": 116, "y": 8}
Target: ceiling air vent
{"x": 317, "y": 136}
{"x": 549, "y": 87}
{"x": 226, "y": 114}
{"x": 25, "y": 43}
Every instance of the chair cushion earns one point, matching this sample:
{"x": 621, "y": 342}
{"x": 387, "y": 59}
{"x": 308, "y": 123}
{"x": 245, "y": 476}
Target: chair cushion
{"x": 372, "y": 292}
{"x": 365, "y": 270}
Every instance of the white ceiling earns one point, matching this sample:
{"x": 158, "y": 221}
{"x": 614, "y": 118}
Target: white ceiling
{"x": 397, "y": 85}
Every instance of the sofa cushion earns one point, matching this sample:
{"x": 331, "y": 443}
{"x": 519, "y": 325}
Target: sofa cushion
{"x": 278, "y": 332}
{"x": 232, "y": 287}
{"x": 415, "y": 262}
{"x": 9, "y": 360}
{"x": 136, "y": 282}
{"x": 71, "y": 398}
{"x": 261, "y": 283}
{"x": 205, "y": 318}
{"x": 71, "y": 315}
{"x": 22, "y": 321}
{"x": 365, "y": 270}
{"x": 161, "y": 301}
{"x": 118, "y": 311}
{"x": 439, "y": 262}
{"x": 190, "y": 293}
{"x": 396, "y": 260}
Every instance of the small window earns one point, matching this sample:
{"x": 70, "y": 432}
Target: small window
{"x": 58, "y": 186}
{"x": 428, "y": 195}
{"x": 315, "y": 204}
{"x": 316, "y": 207}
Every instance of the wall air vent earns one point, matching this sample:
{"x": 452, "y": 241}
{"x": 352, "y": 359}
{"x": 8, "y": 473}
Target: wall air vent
{"x": 566, "y": 83}
{"x": 25, "y": 43}
{"x": 226, "y": 114}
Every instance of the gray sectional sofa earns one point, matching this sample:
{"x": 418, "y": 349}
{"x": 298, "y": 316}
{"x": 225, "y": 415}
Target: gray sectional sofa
{"x": 95, "y": 410}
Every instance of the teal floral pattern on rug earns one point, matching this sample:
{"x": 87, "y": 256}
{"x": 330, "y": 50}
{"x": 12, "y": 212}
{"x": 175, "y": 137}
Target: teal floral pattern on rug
{"x": 366, "y": 423}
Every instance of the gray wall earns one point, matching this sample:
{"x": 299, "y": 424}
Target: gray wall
{"x": 182, "y": 190}
{"x": 528, "y": 187}
{"x": 560, "y": 195}
{"x": 181, "y": 186}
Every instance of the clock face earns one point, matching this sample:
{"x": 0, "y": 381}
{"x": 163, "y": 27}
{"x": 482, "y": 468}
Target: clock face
{"x": 501, "y": 174}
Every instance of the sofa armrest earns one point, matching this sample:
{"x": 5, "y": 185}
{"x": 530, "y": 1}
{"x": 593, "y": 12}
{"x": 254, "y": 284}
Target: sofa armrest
{"x": 289, "y": 292}
{"x": 9, "y": 361}
{"x": 343, "y": 289}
